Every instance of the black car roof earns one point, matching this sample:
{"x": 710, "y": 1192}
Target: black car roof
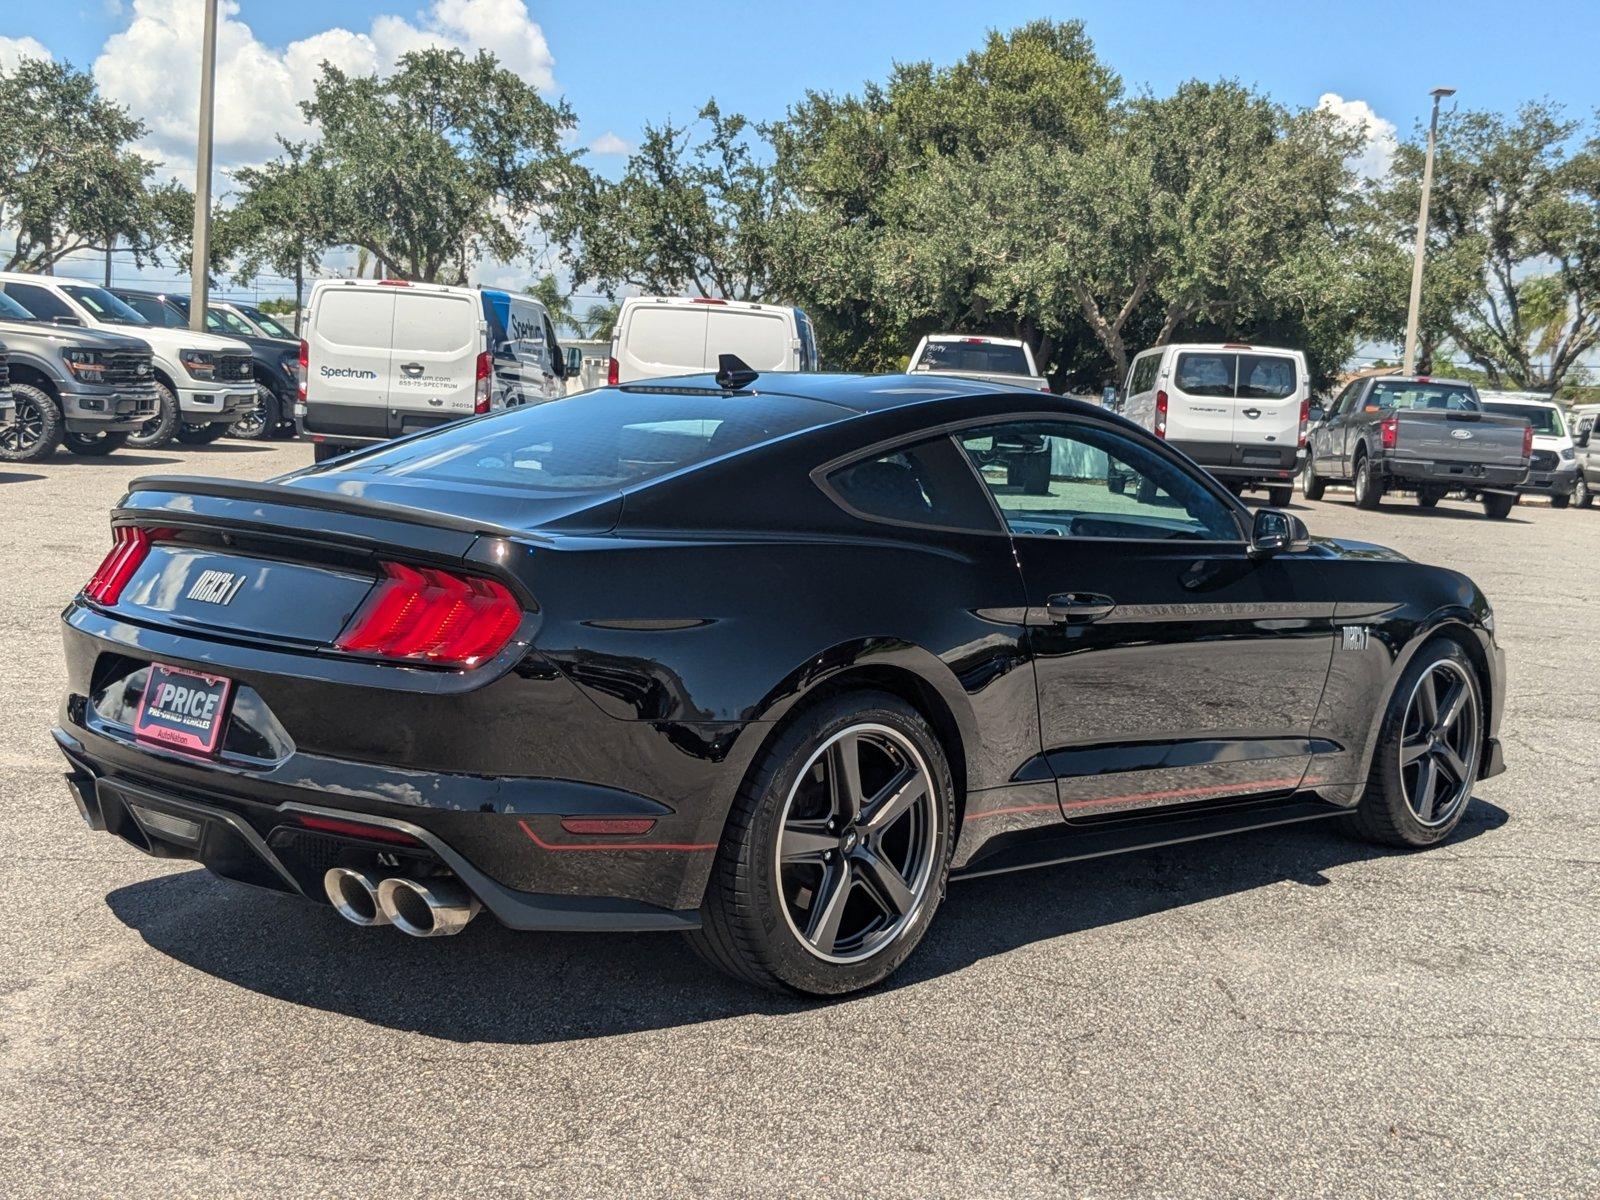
{"x": 868, "y": 393}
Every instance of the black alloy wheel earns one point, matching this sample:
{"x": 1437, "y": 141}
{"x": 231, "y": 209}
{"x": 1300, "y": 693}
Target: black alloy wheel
{"x": 159, "y": 430}
{"x": 34, "y": 429}
{"x": 1582, "y": 493}
{"x": 1313, "y": 485}
{"x": 260, "y": 421}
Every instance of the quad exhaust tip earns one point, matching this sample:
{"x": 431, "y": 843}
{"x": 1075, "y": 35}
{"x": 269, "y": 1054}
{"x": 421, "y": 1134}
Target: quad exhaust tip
{"x": 354, "y": 896}
{"x": 427, "y": 908}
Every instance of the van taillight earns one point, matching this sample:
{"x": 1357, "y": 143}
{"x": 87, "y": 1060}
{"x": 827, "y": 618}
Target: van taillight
{"x": 612, "y": 372}
{"x": 423, "y": 614}
{"x": 1527, "y": 441}
{"x": 305, "y": 367}
{"x": 130, "y": 546}
{"x": 1388, "y": 430}
{"x": 1161, "y": 414}
{"x": 480, "y": 403}
{"x": 1305, "y": 420}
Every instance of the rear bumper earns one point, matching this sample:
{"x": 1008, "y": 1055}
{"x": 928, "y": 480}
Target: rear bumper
{"x": 1549, "y": 483}
{"x": 1463, "y": 475}
{"x": 1265, "y": 461}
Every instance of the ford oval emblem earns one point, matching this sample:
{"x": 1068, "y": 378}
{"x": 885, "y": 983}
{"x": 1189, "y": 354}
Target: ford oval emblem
{"x": 1464, "y": 435}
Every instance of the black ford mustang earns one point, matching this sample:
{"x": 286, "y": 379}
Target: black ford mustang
{"x": 764, "y": 660}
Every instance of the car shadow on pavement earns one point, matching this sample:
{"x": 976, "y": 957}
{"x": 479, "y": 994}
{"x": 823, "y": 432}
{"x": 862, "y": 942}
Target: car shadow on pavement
{"x": 17, "y": 476}
{"x": 490, "y": 984}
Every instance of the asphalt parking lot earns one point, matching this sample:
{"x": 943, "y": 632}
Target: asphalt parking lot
{"x": 1285, "y": 1013}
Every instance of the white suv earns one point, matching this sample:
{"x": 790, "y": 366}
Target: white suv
{"x": 1553, "y": 464}
{"x": 204, "y": 382}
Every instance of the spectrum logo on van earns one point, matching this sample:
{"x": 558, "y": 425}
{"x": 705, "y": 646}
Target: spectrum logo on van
{"x": 347, "y": 373}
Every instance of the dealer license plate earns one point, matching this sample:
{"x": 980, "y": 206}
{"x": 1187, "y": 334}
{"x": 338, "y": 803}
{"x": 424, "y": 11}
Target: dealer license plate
{"x": 182, "y": 709}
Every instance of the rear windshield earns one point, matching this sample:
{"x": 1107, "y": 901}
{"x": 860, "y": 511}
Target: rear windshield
{"x": 1236, "y": 376}
{"x": 1402, "y": 393}
{"x": 984, "y": 358}
{"x": 1545, "y": 421}
{"x": 596, "y": 441}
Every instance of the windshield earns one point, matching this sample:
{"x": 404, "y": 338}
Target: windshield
{"x": 269, "y": 324}
{"x": 10, "y": 310}
{"x": 104, "y": 305}
{"x": 1409, "y": 393}
{"x": 228, "y": 321}
{"x": 1545, "y": 421}
{"x": 594, "y": 442}
{"x": 156, "y": 311}
{"x": 975, "y": 355}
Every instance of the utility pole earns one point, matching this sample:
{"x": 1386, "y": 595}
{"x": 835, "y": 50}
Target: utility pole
{"x": 1410, "y": 364}
{"x": 198, "y": 282}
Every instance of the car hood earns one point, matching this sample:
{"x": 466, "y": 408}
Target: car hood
{"x": 1328, "y": 547}
{"x": 78, "y": 336}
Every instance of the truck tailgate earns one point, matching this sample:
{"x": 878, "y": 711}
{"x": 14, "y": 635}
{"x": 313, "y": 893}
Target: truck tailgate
{"x": 1460, "y": 437}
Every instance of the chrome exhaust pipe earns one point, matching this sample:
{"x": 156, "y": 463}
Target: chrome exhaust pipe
{"x": 354, "y": 896}
{"x": 427, "y": 908}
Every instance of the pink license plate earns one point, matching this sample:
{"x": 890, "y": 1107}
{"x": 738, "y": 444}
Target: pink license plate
{"x": 184, "y": 710}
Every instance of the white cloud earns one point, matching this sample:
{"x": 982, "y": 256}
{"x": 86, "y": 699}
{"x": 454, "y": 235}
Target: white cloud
{"x": 14, "y": 50}
{"x": 1372, "y": 160}
{"x": 609, "y": 143}
{"x": 153, "y": 67}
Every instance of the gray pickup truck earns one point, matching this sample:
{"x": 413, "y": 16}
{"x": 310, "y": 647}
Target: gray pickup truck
{"x": 1418, "y": 434}
{"x": 87, "y": 389}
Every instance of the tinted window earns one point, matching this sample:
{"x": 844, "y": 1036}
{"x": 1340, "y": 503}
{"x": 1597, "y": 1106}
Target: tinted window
{"x": 104, "y": 305}
{"x": 975, "y": 355}
{"x": 155, "y": 311}
{"x": 269, "y": 324}
{"x": 41, "y": 302}
{"x": 927, "y": 484}
{"x": 809, "y": 360}
{"x": 1342, "y": 404}
{"x": 1399, "y": 393}
{"x": 597, "y": 441}
{"x": 230, "y": 322}
{"x": 1145, "y": 371}
{"x": 1266, "y": 377}
{"x": 1545, "y": 421}
{"x": 1207, "y": 374}
{"x": 10, "y": 310}
{"x": 1061, "y": 479}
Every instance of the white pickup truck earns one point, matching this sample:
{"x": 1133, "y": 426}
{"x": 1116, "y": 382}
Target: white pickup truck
{"x": 1006, "y": 361}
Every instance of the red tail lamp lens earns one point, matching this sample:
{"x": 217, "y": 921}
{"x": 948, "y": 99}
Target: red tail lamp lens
{"x": 1527, "y": 442}
{"x": 421, "y": 614}
{"x": 1389, "y": 430}
{"x": 481, "y": 396}
{"x": 1305, "y": 420}
{"x": 612, "y": 371}
{"x": 1161, "y": 414}
{"x": 130, "y": 544}
{"x": 305, "y": 367}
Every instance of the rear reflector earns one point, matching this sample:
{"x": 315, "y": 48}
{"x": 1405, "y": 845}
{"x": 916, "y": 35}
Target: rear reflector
{"x": 480, "y": 402}
{"x": 358, "y": 829}
{"x": 608, "y": 826}
{"x": 130, "y": 544}
{"x": 422, "y": 614}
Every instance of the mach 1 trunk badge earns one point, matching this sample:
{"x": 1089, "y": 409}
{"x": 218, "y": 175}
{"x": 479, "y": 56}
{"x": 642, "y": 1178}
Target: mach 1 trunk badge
{"x": 215, "y": 587}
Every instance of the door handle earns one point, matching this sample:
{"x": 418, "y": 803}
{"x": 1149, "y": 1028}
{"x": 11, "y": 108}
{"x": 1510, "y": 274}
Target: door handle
{"x": 1070, "y": 608}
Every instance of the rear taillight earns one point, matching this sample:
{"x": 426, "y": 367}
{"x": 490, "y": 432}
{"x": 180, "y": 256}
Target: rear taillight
{"x": 1161, "y": 414}
{"x": 422, "y": 614}
{"x": 480, "y": 403}
{"x": 611, "y": 372}
{"x": 1305, "y": 420}
{"x": 1527, "y": 441}
{"x": 305, "y": 366}
{"x": 1388, "y": 430}
{"x": 130, "y": 544}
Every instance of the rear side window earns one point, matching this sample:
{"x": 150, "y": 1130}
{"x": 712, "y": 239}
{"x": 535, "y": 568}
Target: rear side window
{"x": 1206, "y": 374}
{"x": 597, "y": 441}
{"x": 976, "y": 355}
{"x": 809, "y": 359}
{"x": 356, "y": 317}
{"x": 1145, "y": 370}
{"x": 926, "y": 484}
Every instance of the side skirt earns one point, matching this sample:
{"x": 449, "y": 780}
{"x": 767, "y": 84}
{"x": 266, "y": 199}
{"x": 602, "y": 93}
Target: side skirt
{"x": 1058, "y": 844}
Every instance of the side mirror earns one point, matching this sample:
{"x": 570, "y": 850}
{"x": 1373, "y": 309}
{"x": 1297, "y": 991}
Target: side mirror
{"x": 66, "y": 321}
{"x": 1317, "y": 415}
{"x": 1582, "y": 439}
{"x": 1275, "y": 531}
{"x": 574, "y": 360}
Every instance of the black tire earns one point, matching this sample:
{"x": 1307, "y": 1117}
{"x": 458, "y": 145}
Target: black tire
{"x": 202, "y": 435}
{"x": 1560, "y": 501}
{"x": 1116, "y": 484}
{"x": 261, "y": 423}
{"x": 160, "y": 429}
{"x": 1368, "y": 483}
{"x": 1582, "y": 493}
{"x": 94, "y": 445}
{"x": 1146, "y": 491}
{"x": 1031, "y": 474}
{"x": 748, "y": 919}
{"x": 1497, "y": 506}
{"x": 34, "y": 429}
{"x": 323, "y": 451}
{"x": 1428, "y": 497}
{"x": 1388, "y": 811}
{"x": 1280, "y": 497}
{"x": 1313, "y": 485}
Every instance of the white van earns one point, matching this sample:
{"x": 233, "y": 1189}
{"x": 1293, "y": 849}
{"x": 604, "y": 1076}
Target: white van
{"x": 684, "y": 335}
{"x": 382, "y": 358}
{"x": 1240, "y": 411}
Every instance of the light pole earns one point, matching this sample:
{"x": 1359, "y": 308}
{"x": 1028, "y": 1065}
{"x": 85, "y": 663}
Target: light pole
{"x": 202, "y": 174}
{"x": 1410, "y": 365}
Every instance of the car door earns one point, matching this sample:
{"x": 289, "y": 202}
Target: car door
{"x": 1171, "y": 667}
{"x": 1329, "y": 442}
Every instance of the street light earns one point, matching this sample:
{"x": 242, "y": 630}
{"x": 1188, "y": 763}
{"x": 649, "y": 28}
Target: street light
{"x": 201, "y": 258}
{"x": 1410, "y": 366}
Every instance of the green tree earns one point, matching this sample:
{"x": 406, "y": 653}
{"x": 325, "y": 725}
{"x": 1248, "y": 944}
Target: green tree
{"x": 691, "y": 213}
{"x": 599, "y": 321}
{"x": 280, "y": 221}
{"x": 547, "y": 291}
{"x": 436, "y": 166}
{"x": 70, "y": 179}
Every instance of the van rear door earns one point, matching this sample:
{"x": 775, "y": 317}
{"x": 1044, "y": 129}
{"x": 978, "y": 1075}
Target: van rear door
{"x": 761, "y": 339}
{"x": 662, "y": 339}
{"x": 1266, "y": 415}
{"x": 437, "y": 338}
{"x": 347, "y": 367}
{"x": 1200, "y": 400}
